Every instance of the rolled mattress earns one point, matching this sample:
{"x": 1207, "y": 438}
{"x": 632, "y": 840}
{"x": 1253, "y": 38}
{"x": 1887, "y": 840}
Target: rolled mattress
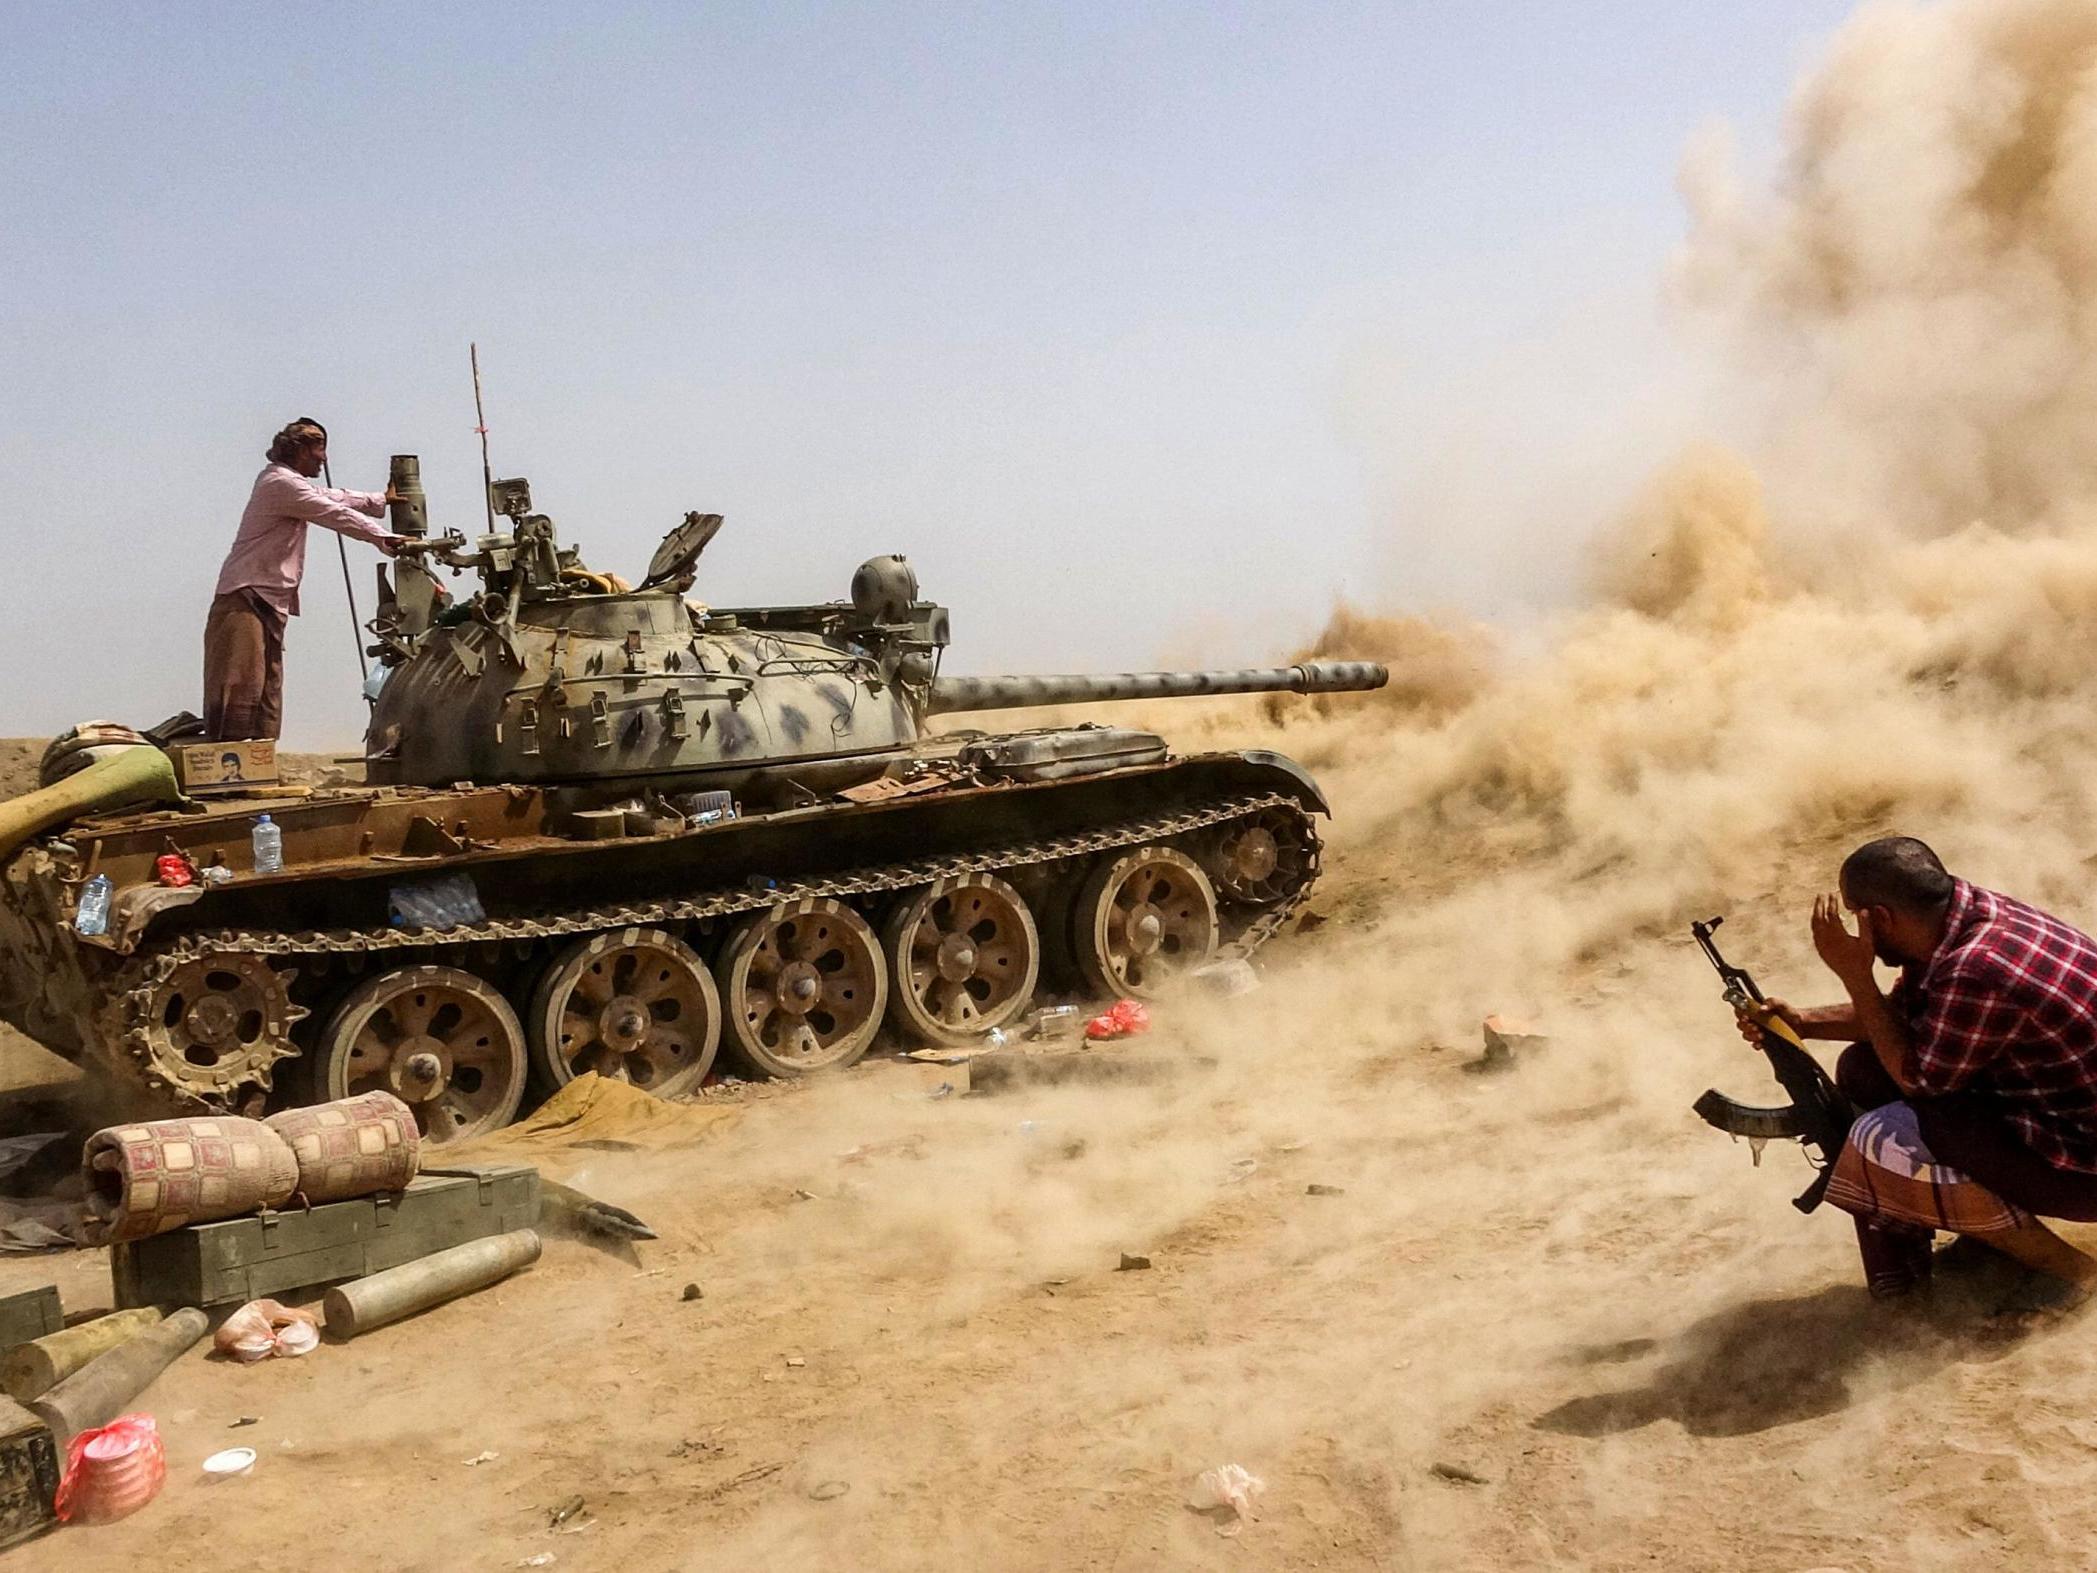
{"x": 353, "y": 1147}
{"x": 146, "y": 1179}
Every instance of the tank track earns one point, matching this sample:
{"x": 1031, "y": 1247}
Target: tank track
{"x": 133, "y": 989}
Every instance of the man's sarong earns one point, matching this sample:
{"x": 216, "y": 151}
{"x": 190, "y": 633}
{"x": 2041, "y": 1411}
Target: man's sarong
{"x": 1887, "y": 1175}
{"x": 243, "y": 668}
{"x": 1901, "y": 1195}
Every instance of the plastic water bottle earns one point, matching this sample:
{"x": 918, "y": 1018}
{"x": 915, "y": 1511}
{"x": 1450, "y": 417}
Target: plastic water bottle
{"x": 91, "y": 916}
{"x": 269, "y": 846}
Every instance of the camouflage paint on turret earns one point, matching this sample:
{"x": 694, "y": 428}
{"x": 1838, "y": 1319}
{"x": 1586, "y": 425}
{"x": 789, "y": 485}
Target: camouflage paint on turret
{"x": 594, "y": 687}
{"x": 576, "y": 680}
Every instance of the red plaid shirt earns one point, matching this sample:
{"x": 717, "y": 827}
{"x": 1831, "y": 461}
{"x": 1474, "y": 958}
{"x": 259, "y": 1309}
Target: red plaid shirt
{"x": 2007, "y": 1006}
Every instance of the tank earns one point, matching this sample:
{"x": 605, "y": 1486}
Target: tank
{"x": 611, "y": 827}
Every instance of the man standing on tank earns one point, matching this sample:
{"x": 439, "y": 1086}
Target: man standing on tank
{"x": 258, "y": 588}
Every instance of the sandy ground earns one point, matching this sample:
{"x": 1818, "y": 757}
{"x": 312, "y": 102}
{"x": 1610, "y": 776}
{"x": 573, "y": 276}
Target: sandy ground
{"x": 913, "y": 1348}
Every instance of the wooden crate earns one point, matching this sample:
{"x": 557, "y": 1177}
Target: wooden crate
{"x": 28, "y": 1475}
{"x": 30, "y": 1314}
{"x": 270, "y": 1253}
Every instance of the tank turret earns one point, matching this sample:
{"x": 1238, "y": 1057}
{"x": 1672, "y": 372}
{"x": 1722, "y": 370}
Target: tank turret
{"x": 560, "y": 675}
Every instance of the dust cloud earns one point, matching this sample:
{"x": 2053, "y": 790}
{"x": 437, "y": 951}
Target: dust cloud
{"x": 1877, "y": 615}
{"x": 1910, "y": 300}
{"x": 1874, "y": 615}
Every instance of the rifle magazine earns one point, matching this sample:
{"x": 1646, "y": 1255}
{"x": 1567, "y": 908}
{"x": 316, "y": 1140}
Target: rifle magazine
{"x": 1782, "y": 1122}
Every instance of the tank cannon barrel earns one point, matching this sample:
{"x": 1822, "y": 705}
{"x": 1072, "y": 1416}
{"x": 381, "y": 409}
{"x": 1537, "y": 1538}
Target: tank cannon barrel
{"x": 950, "y": 694}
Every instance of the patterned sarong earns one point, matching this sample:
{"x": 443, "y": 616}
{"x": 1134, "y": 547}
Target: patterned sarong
{"x": 1887, "y": 1176}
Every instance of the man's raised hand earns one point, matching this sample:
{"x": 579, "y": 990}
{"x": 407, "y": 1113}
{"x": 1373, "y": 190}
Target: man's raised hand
{"x": 1849, "y": 956}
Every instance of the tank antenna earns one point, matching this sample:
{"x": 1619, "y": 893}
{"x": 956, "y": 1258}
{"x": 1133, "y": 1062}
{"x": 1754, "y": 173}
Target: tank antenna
{"x": 480, "y": 424}
{"x": 348, "y": 589}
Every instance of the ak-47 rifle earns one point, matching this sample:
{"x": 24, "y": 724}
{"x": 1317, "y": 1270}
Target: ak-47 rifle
{"x": 1818, "y": 1115}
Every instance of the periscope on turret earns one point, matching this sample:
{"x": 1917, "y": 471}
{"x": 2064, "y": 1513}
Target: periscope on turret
{"x": 607, "y": 827}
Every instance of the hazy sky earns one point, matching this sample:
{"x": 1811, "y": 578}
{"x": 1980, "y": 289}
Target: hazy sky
{"x": 1141, "y": 330}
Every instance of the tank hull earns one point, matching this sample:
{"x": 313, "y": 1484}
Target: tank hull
{"x": 284, "y": 949}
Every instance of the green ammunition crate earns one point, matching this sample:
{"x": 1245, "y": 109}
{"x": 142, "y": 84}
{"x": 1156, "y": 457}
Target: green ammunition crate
{"x": 28, "y": 1475}
{"x": 30, "y": 1314}
{"x": 267, "y": 1253}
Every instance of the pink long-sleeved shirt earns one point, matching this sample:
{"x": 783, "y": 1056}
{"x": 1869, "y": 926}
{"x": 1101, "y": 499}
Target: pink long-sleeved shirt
{"x": 269, "y": 549}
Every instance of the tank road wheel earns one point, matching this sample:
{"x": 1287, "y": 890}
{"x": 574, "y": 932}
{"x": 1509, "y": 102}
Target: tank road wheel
{"x": 803, "y": 986}
{"x": 636, "y": 1005}
{"x": 441, "y": 1040}
{"x": 1262, "y": 859}
{"x": 214, "y": 1027}
{"x": 963, "y": 954}
{"x": 1141, "y": 918}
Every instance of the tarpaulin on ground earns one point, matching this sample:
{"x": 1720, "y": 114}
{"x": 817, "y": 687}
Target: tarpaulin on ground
{"x": 592, "y": 1116}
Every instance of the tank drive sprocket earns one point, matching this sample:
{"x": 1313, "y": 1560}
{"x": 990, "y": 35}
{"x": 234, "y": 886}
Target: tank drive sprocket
{"x": 210, "y": 1028}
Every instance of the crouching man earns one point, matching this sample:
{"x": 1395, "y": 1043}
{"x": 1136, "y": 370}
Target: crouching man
{"x": 1976, "y": 1074}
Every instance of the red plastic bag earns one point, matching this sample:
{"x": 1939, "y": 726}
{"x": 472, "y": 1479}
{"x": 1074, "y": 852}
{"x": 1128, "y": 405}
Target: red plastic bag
{"x": 111, "y": 1471}
{"x": 1125, "y": 1019}
{"x": 174, "y": 870}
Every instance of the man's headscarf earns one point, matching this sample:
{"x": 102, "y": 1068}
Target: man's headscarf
{"x": 300, "y": 432}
